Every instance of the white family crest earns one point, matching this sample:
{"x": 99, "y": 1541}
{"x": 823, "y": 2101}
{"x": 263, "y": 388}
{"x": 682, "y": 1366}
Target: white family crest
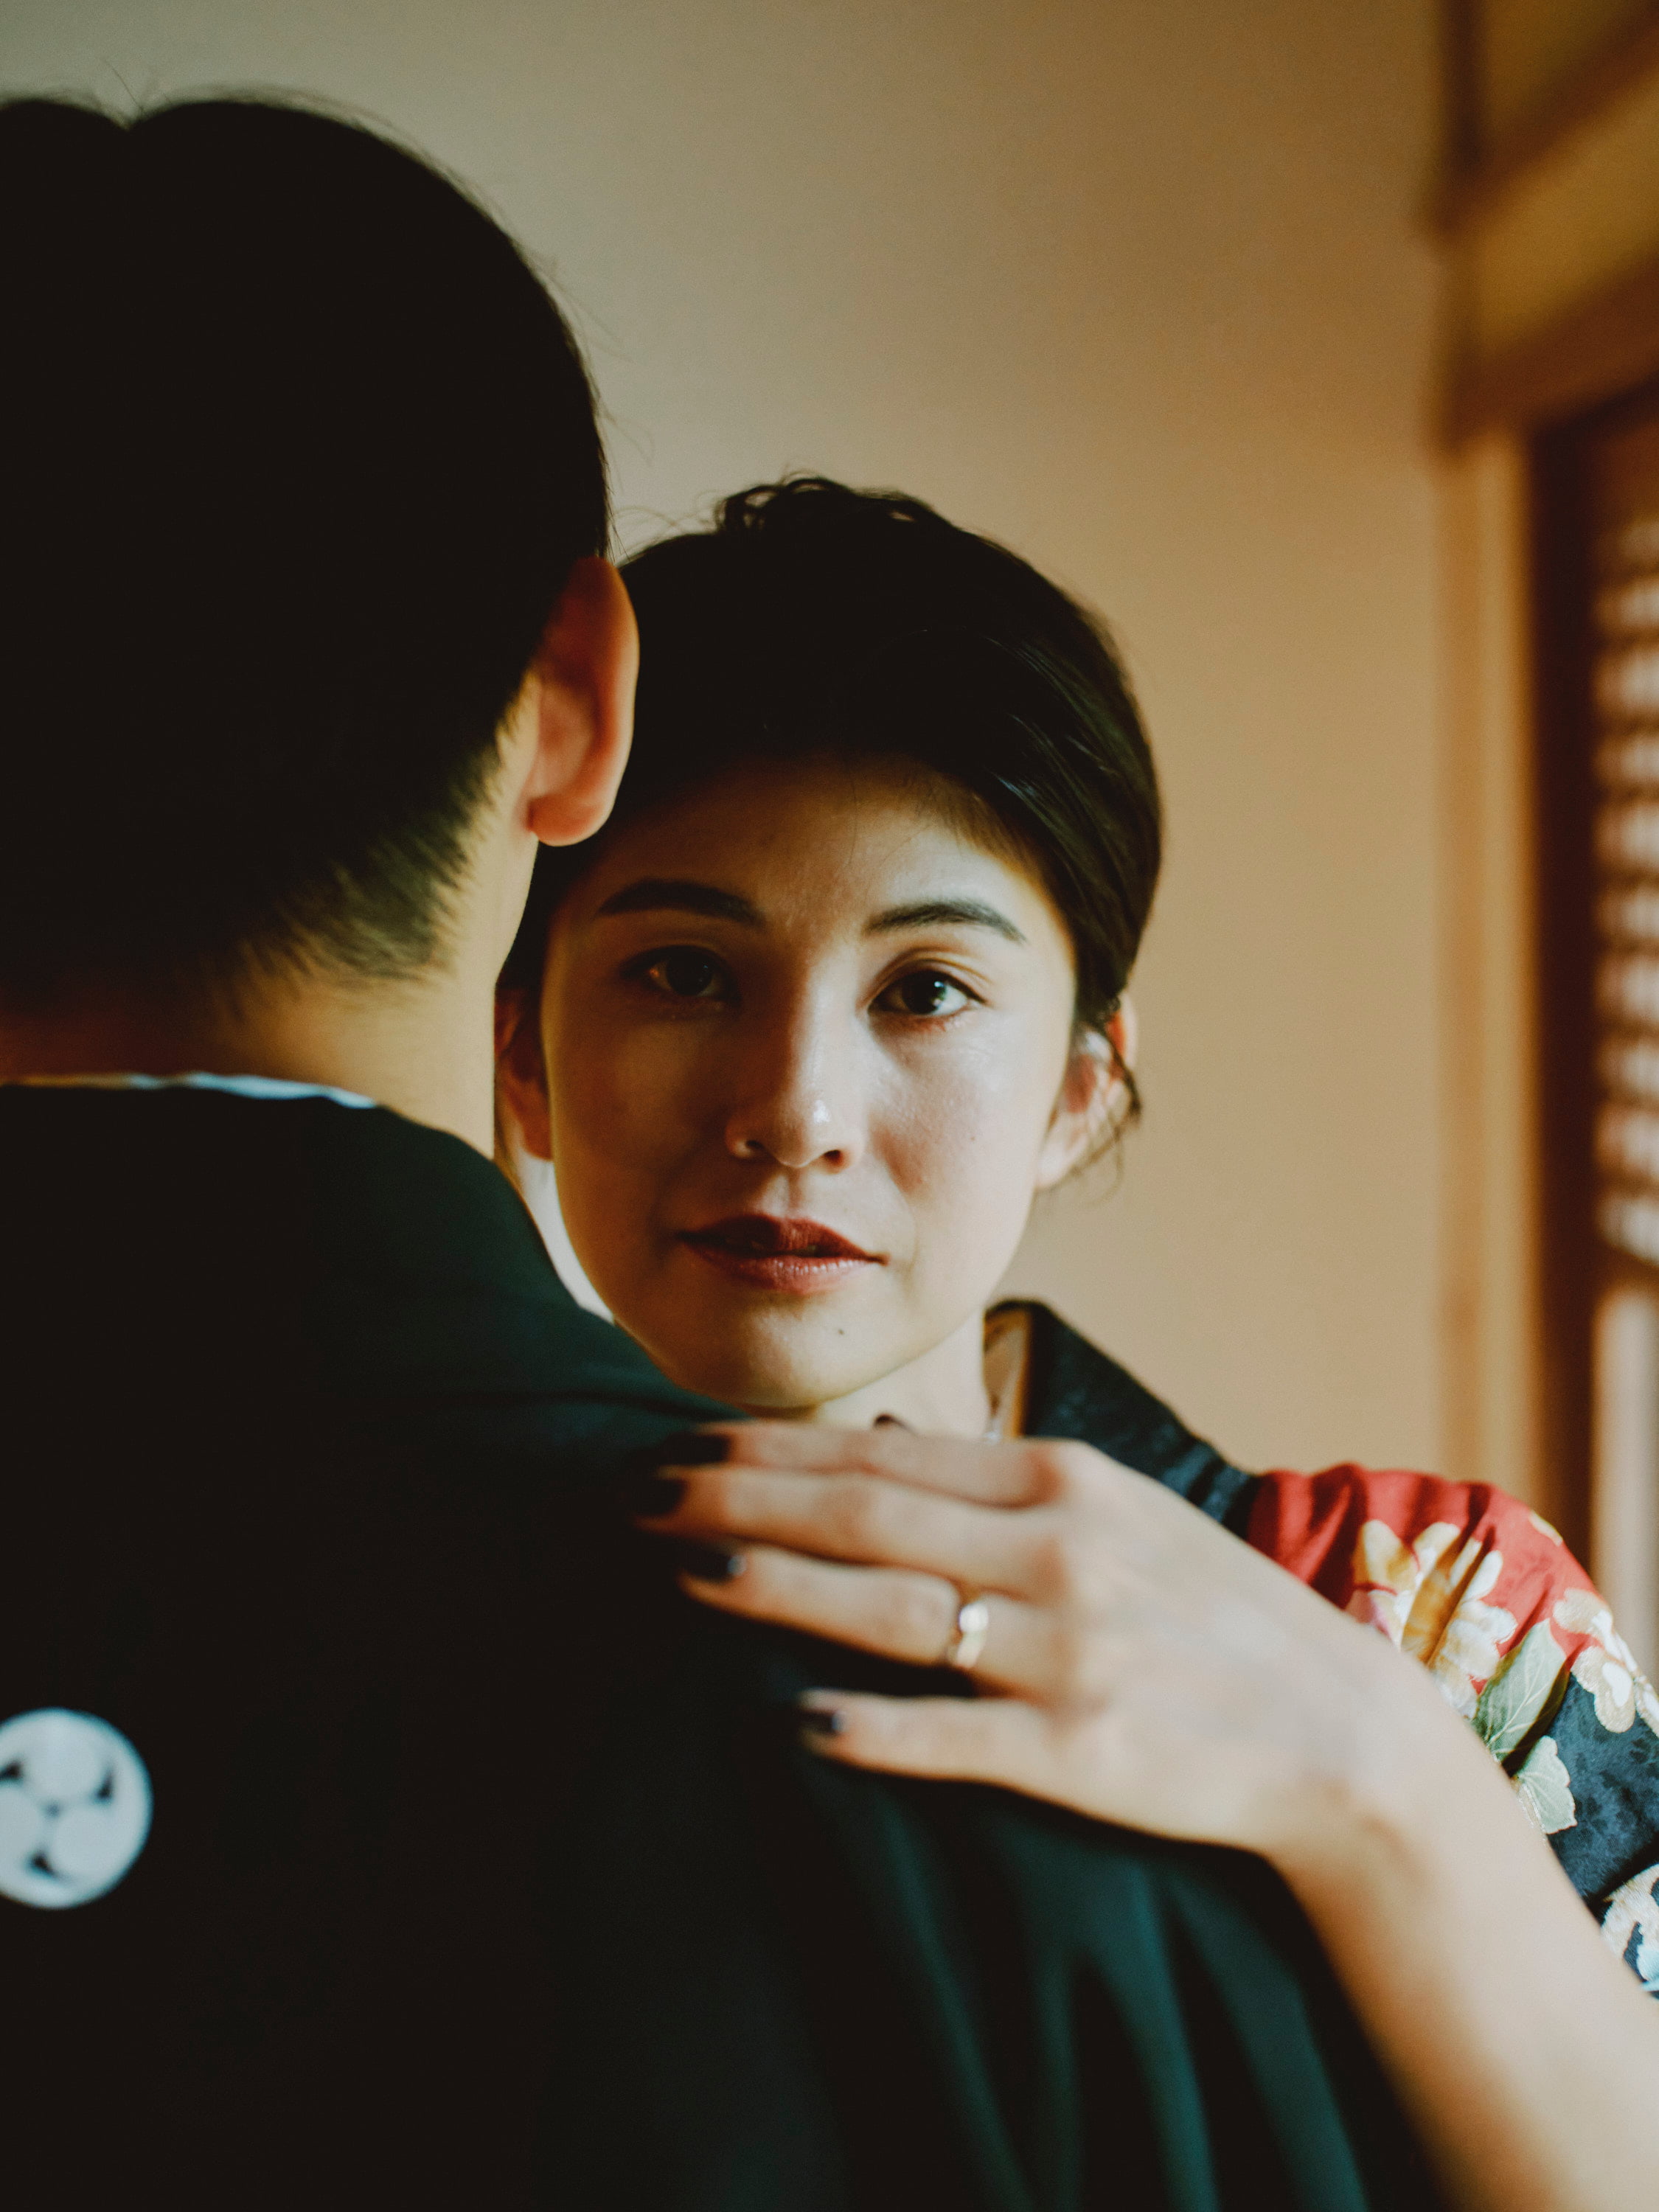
{"x": 74, "y": 1807}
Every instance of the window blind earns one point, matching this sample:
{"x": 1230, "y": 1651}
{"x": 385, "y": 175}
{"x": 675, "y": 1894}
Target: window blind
{"x": 1623, "y": 516}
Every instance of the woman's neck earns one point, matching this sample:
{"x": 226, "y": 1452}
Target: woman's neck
{"x": 943, "y": 1392}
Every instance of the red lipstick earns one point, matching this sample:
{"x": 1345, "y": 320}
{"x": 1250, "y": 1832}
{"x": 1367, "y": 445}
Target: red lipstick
{"x": 795, "y": 1256}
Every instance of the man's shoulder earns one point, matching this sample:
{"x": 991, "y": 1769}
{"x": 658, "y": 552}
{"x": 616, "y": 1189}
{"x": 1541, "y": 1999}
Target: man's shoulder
{"x": 303, "y": 1246}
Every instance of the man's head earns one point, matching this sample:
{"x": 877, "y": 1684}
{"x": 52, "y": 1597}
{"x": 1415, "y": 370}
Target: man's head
{"x": 301, "y": 464}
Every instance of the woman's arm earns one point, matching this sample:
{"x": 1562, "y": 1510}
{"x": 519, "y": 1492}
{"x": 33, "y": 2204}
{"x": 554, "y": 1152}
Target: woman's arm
{"x": 1524, "y": 2050}
{"x": 1144, "y": 1666}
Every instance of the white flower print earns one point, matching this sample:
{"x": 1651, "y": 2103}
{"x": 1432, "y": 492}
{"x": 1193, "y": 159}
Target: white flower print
{"x": 1632, "y": 1912}
{"x": 1610, "y": 1682}
{"x": 1605, "y": 1668}
{"x": 1432, "y": 1607}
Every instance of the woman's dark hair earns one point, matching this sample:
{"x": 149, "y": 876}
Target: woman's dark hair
{"x": 300, "y": 454}
{"x": 812, "y": 619}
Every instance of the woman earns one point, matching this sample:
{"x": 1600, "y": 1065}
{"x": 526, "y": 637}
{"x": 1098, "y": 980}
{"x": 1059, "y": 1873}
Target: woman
{"x": 836, "y": 994}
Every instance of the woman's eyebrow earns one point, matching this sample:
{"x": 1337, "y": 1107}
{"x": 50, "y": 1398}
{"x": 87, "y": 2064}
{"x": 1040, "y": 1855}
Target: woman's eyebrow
{"x": 678, "y": 895}
{"x": 935, "y": 914}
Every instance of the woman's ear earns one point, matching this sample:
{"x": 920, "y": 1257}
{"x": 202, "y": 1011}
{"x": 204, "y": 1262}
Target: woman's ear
{"x": 1123, "y": 1034}
{"x": 1092, "y": 1096}
{"x": 521, "y": 1070}
{"x": 578, "y": 703}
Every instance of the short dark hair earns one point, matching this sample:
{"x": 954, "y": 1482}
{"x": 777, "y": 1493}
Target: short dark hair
{"x": 300, "y": 455}
{"x": 813, "y": 618}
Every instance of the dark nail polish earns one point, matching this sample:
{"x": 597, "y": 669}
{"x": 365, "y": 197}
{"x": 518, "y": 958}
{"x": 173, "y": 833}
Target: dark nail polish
{"x": 706, "y": 1563}
{"x": 816, "y": 1722}
{"x": 645, "y": 1491}
{"x": 690, "y": 1447}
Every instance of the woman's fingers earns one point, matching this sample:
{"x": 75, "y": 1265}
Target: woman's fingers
{"x": 997, "y": 1740}
{"x": 861, "y": 1518}
{"x": 888, "y": 1610}
{"x": 1020, "y": 1473}
{"x": 992, "y": 1514}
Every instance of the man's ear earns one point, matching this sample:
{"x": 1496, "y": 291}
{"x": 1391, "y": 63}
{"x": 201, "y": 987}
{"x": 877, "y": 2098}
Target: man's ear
{"x": 578, "y": 707}
{"x": 1092, "y": 1096}
{"x": 521, "y": 1070}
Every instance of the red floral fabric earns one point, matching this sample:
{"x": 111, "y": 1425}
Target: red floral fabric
{"x": 1484, "y": 1594}
{"x": 1454, "y": 1572}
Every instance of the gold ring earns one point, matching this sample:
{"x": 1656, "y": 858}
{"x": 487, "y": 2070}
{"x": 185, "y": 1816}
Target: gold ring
{"x": 969, "y": 1631}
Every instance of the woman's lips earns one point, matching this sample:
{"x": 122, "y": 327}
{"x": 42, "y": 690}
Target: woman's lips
{"x": 768, "y": 1254}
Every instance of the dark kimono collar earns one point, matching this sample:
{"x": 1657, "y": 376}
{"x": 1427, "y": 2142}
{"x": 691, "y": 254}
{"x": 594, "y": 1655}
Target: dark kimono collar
{"x": 1074, "y": 1390}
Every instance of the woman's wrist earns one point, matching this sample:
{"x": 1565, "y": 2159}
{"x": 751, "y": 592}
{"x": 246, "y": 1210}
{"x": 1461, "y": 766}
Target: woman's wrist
{"x": 1397, "y": 1774}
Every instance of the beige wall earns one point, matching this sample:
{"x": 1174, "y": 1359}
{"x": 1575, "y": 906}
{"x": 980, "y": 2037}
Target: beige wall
{"x": 1135, "y": 287}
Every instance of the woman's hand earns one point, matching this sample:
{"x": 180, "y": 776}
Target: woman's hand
{"x": 1140, "y": 1663}
{"x": 1143, "y": 1665}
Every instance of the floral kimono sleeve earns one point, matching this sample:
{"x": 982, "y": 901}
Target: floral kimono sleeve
{"x": 1490, "y": 1600}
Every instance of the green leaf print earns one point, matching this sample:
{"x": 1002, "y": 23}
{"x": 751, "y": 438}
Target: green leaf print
{"x": 1519, "y": 1691}
{"x": 1543, "y": 1783}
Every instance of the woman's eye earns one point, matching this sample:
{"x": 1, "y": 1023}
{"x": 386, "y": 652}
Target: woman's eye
{"x": 923, "y": 994}
{"x": 683, "y": 972}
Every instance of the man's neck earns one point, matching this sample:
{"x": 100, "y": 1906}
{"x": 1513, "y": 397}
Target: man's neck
{"x": 425, "y": 1048}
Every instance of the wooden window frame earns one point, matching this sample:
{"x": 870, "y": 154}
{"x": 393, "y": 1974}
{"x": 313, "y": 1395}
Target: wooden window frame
{"x": 1475, "y": 173}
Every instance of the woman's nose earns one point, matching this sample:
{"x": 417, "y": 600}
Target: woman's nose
{"x": 801, "y": 1107}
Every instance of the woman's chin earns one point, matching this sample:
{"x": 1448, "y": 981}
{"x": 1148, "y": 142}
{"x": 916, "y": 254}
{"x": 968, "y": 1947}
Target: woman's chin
{"x": 769, "y": 1371}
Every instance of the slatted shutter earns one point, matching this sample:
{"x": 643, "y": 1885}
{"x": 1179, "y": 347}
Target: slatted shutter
{"x": 1625, "y": 706}
{"x": 1598, "y": 565}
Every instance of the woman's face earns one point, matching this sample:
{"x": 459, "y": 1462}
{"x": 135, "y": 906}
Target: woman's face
{"x": 809, "y": 1056}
